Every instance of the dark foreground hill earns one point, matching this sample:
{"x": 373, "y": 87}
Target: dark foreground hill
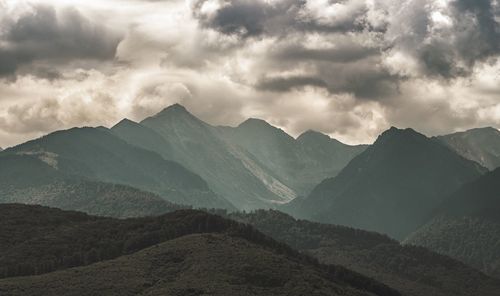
{"x": 467, "y": 225}
{"x": 182, "y": 253}
{"x": 415, "y": 271}
{"x": 392, "y": 187}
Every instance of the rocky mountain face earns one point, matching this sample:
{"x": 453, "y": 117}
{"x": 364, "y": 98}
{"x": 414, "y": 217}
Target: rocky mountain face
{"x": 254, "y": 165}
{"x": 481, "y": 145}
{"x": 299, "y": 163}
{"x": 467, "y": 225}
{"x": 392, "y": 187}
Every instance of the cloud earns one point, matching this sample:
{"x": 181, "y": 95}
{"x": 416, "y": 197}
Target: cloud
{"x": 253, "y": 18}
{"x": 349, "y": 68}
{"x": 44, "y": 33}
{"x": 283, "y": 84}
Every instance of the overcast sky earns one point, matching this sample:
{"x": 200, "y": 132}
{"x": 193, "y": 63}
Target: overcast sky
{"x": 348, "y": 68}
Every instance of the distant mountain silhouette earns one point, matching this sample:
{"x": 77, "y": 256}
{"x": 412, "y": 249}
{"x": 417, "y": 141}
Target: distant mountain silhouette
{"x": 254, "y": 165}
{"x": 481, "y": 145}
{"x": 96, "y": 154}
{"x": 467, "y": 225}
{"x": 181, "y": 253}
{"x": 415, "y": 271}
{"x": 392, "y": 187}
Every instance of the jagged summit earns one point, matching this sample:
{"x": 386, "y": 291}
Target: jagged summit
{"x": 398, "y": 133}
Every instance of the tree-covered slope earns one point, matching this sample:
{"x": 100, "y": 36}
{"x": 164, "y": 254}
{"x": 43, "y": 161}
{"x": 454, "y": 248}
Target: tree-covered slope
{"x": 174, "y": 254}
{"x": 467, "y": 225}
{"x": 415, "y": 271}
{"x": 481, "y": 145}
{"x": 96, "y": 154}
{"x": 91, "y": 197}
{"x": 392, "y": 187}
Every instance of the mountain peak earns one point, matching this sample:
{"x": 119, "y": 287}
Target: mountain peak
{"x": 255, "y": 122}
{"x": 397, "y": 132}
{"x": 259, "y": 127}
{"x": 175, "y": 111}
{"x": 312, "y": 134}
{"x": 175, "y": 108}
{"x": 124, "y": 123}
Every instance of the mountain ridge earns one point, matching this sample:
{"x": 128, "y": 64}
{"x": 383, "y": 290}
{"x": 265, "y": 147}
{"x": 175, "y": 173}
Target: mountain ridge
{"x": 391, "y": 187}
{"x": 481, "y": 145}
{"x": 95, "y": 153}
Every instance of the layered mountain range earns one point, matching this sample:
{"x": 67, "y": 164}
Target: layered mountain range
{"x": 392, "y": 187}
{"x": 436, "y": 193}
{"x": 254, "y": 165}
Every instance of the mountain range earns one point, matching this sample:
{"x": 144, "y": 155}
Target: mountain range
{"x": 254, "y": 165}
{"x": 392, "y": 187}
{"x": 408, "y": 215}
{"x": 96, "y": 154}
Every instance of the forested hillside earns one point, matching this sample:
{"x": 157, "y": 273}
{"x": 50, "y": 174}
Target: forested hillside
{"x": 37, "y": 240}
{"x": 415, "y": 271}
{"x": 467, "y": 225}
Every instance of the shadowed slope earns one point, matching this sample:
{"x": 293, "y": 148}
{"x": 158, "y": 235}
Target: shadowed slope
{"x": 467, "y": 225}
{"x": 96, "y": 154}
{"x": 190, "y": 252}
{"x": 392, "y": 187}
{"x": 414, "y": 271}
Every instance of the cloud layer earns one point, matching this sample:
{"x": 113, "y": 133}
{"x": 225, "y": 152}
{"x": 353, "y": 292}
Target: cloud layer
{"x": 349, "y": 68}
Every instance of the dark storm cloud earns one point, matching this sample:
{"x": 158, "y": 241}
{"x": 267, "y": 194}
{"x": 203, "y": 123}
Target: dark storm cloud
{"x": 284, "y": 84}
{"x": 250, "y": 18}
{"x": 44, "y": 34}
{"x": 474, "y": 37}
{"x": 343, "y": 53}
